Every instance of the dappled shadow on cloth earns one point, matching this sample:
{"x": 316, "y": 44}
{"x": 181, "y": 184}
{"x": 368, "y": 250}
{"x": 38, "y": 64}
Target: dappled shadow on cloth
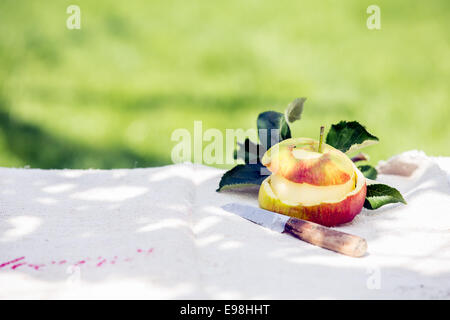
{"x": 160, "y": 233}
{"x": 249, "y": 261}
{"x": 96, "y": 225}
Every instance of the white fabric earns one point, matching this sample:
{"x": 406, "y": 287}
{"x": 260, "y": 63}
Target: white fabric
{"x": 160, "y": 233}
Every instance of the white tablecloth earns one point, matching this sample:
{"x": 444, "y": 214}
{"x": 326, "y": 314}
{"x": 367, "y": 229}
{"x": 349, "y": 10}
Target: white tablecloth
{"x": 160, "y": 233}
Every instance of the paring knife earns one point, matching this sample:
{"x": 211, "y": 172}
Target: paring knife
{"x": 313, "y": 233}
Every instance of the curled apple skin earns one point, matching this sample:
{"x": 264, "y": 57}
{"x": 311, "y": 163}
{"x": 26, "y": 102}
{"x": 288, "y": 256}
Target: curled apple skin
{"x": 297, "y": 160}
{"x": 325, "y": 213}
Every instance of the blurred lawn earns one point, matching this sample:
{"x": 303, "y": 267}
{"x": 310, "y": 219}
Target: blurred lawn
{"x": 110, "y": 95}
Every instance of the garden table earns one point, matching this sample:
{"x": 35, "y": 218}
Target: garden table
{"x": 161, "y": 233}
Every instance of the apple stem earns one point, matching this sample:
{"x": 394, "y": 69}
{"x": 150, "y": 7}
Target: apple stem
{"x": 322, "y": 128}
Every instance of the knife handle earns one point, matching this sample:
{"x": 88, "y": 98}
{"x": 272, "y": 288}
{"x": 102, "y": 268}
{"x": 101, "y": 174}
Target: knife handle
{"x": 327, "y": 238}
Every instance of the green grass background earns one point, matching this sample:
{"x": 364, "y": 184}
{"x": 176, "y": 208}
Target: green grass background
{"x": 110, "y": 95}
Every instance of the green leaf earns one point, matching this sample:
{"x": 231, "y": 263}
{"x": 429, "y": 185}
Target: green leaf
{"x": 268, "y": 121}
{"x": 379, "y": 195}
{"x": 249, "y": 151}
{"x": 294, "y": 110}
{"x": 368, "y": 171}
{"x": 349, "y": 136}
{"x": 242, "y": 175}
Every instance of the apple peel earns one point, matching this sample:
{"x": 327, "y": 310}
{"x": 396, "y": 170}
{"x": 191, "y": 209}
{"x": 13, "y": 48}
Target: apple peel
{"x": 328, "y": 213}
{"x": 297, "y": 160}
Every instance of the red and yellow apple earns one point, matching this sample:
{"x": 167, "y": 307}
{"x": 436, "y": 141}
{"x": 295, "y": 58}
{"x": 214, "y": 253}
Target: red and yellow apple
{"x": 323, "y": 187}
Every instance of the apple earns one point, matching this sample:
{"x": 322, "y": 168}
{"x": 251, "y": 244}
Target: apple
{"x": 323, "y": 187}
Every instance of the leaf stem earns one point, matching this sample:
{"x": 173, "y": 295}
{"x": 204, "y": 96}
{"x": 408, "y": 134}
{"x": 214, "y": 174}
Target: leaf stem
{"x": 322, "y": 128}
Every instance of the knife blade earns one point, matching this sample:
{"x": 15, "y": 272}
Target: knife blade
{"x": 310, "y": 232}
